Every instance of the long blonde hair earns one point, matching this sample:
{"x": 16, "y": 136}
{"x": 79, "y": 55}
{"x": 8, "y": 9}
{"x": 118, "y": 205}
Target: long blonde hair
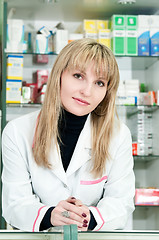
{"x": 78, "y": 55}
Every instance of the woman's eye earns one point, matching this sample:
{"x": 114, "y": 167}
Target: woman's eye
{"x": 77, "y": 75}
{"x": 100, "y": 84}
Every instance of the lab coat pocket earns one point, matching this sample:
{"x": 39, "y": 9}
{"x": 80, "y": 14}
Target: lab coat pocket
{"x": 91, "y": 190}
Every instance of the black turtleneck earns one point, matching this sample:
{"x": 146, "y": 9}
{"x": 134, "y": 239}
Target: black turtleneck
{"x": 70, "y": 127}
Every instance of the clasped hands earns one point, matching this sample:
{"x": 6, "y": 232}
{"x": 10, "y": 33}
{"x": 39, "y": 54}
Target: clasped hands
{"x": 71, "y": 211}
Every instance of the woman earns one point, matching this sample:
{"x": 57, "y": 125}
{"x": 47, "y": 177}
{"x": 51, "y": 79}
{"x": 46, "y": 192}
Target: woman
{"x": 71, "y": 162}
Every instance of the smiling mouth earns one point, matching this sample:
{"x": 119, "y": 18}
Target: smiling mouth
{"x": 81, "y": 101}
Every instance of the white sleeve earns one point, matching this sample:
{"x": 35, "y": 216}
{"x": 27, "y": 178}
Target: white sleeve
{"x": 117, "y": 202}
{"x": 20, "y": 206}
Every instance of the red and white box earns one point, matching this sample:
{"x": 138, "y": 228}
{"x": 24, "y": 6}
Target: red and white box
{"x": 41, "y": 77}
{"x": 134, "y": 148}
{"x": 33, "y": 91}
{"x": 147, "y": 196}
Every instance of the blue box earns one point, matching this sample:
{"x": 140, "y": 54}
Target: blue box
{"x": 154, "y": 42}
{"x": 143, "y": 42}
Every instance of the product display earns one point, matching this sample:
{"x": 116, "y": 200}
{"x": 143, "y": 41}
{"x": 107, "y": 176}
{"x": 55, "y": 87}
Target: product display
{"x": 129, "y": 36}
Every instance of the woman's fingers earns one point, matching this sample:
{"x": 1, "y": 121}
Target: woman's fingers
{"x": 74, "y": 201}
{"x": 66, "y": 213}
{"x": 85, "y": 212}
{"x": 71, "y": 211}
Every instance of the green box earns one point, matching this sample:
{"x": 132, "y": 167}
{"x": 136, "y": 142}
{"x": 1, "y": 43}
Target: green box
{"x": 117, "y": 22}
{"x": 118, "y": 42}
{"x": 131, "y": 43}
{"x": 131, "y": 22}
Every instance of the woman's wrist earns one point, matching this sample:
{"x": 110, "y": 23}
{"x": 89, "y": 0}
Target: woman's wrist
{"x": 46, "y": 223}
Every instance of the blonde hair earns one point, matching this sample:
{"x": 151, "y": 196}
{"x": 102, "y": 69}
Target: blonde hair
{"x": 79, "y": 54}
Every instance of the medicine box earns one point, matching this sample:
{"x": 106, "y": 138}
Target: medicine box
{"x": 41, "y": 44}
{"x": 134, "y": 148}
{"x": 144, "y": 21}
{"x": 154, "y": 21}
{"x": 131, "y": 22}
{"x": 118, "y": 42}
{"x": 154, "y": 41}
{"x": 101, "y": 24}
{"x": 104, "y": 37}
{"x": 143, "y": 42}
{"x": 74, "y": 36}
{"x": 147, "y": 196}
{"x": 117, "y": 22}
{"x": 89, "y": 24}
{"x": 13, "y": 91}
{"x": 91, "y": 34}
{"x": 15, "y": 67}
{"x": 41, "y": 77}
{"x": 60, "y": 40}
{"x": 131, "y": 42}
{"x": 15, "y": 35}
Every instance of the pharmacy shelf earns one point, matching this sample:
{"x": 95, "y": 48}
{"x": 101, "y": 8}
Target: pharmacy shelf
{"x": 16, "y": 110}
{"x": 30, "y": 53}
{"x": 133, "y": 110}
{"x": 146, "y": 158}
{"x": 142, "y": 206}
{"x": 124, "y": 62}
{"x": 136, "y": 62}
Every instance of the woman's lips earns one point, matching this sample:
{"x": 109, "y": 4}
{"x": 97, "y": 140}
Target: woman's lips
{"x": 80, "y": 101}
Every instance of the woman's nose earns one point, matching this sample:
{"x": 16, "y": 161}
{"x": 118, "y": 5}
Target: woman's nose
{"x": 86, "y": 90}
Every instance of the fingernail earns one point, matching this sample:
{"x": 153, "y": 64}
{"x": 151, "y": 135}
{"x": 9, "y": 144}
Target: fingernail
{"x": 73, "y": 198}
{"x": 84, "y": 225}
{"x": 85, "y": 221}
{"x": 84, "y": 215}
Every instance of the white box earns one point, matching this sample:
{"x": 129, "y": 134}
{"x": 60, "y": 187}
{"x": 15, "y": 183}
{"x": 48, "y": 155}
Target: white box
{"x": 15, "y": 67}
{"x": 41, "y": 44}
{"x": 13, "y": 91}
{"x": 91, "y": 34}
{"x": 154, "y": 21}
{"x": 75, "y": 36}
{"x": 144, "y": 21}
{"x": 60, "y": 40}
{"x": 15, "y": 35}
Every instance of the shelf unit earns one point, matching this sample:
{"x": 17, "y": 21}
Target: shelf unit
{"x": 131, "y": 67}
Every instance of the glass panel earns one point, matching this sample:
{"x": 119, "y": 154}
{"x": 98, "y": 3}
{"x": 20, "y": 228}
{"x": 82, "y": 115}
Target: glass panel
{"x": 30, "y": 236}
{"x": 17, "y": 110}
{"x": 142, "y": 122}
{"x": 135, "y": 62}
{"x": 118, "y": 235}
{"x": 146, "y": 158}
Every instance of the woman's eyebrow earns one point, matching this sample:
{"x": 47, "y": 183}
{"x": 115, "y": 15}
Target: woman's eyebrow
{"x": 79, "y": 70}
{"x": 102, "y": 78}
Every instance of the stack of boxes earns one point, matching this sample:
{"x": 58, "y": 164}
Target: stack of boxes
{"x": 98, "y": 30}
{"x": 14, "y": 78}
{"x": 128, "y": 92}
{"x": 124, "y": 34}
{"x": 148, "y": 35}
{"x": 142, "y": 133}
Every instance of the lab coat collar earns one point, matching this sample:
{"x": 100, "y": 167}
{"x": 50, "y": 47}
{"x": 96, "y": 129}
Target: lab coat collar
{"x": 81, "y": 155}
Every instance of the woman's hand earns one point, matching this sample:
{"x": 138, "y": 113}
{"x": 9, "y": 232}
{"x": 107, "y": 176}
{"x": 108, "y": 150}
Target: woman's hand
{"x": 86, "y": 212}
{"x": 71, "y": 211}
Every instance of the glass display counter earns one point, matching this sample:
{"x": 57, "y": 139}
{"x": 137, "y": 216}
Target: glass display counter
{"x": 70, "y": 233}
{"x": 119, "y": 235}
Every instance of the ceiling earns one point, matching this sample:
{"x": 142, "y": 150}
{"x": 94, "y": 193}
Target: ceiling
{"x": 77, "y": 10}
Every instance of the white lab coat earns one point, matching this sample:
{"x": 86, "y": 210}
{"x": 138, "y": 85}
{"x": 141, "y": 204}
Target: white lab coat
{"x": 29, "y": 190}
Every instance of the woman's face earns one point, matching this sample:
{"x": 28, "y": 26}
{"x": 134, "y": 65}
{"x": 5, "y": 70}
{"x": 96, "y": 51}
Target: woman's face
{"x": 81, "y": 92}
